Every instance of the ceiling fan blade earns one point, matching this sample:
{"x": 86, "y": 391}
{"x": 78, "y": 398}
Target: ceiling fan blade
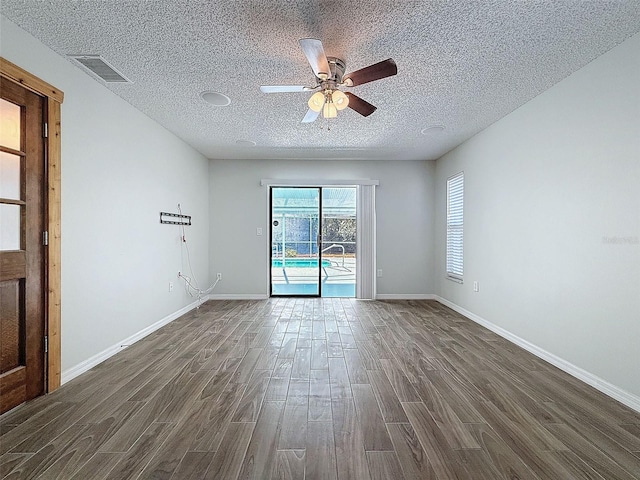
{"x": 310, "y": 116}
{"x": 379, "y": 70}
{"x": 314, "y": 52}
{"x": 361, "y": 106}
{"x": 283, "y": 88}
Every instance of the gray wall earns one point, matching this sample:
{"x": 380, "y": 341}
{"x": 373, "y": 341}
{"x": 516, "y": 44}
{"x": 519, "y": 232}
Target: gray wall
{"x": 552, "y": 220}
{"x": 404, "y": 205}
{"x": 119, "y": 170}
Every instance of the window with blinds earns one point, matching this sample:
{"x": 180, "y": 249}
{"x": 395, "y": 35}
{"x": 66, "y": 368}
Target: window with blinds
{"x": 455, "y": 224}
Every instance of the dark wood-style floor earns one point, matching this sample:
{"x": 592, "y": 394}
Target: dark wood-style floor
{"x": 322, "y": 388}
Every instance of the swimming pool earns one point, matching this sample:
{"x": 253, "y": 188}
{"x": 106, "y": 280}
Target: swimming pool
{"x": 299, "y": 262}
{"x": 339, "y": 290}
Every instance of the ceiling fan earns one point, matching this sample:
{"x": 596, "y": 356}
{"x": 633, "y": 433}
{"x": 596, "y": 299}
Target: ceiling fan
{"x": 330, "y": 77}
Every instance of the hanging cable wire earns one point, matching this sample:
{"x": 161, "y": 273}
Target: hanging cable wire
{"x": 191, "y": 284}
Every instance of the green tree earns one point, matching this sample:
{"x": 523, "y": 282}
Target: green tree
{"x": 341, "y": 231}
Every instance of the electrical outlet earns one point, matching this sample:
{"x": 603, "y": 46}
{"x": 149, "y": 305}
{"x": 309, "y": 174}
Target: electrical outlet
{"x": 475, "y": 287}
{"x": 379, "y": 272}
{"x": 218, "y": 276}
{"x": 170, "y": 286}
{"x": 258, "y": 231}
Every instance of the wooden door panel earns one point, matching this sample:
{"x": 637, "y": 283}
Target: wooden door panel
{"x": 13, "y": 388}
{"x": 11, "y": 326}
{"x": 22, "y": 375}
{"x": 12, "y": 265}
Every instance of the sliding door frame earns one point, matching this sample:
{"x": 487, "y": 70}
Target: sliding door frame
{"x": 366, "y": 228}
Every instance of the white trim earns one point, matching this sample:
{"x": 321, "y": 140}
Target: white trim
{"x": 91, "y": 362}
{"x": 267, "y": 241}
{"x": 274, "y": 182}
{"x": 627, "y": 398}
{"x": 406, "y": 296}
{"x": 238, "y": 296}
{"x": 366, "y": 281}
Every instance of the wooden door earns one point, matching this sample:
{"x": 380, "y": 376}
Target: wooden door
{"x": 22, "y": 256}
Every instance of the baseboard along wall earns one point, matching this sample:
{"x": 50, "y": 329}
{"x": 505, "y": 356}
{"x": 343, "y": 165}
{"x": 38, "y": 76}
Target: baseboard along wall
{"x": 98, "y": 358}
{"x": 239, "y": 296}
{"x": 627, "y": 398}
{"x": 405, "y": 296}
{"x": 617, "y": 393}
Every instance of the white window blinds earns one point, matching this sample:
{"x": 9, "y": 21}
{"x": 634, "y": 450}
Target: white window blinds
{"x": 455, "y": 224}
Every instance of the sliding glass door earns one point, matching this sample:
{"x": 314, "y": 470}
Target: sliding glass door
{"x": 338, "y": 242}
{"x": 295, "y": 259}
{"x": 313, "y": 239}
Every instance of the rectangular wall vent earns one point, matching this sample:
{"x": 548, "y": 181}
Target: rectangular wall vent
{"x": 99, "y": 66}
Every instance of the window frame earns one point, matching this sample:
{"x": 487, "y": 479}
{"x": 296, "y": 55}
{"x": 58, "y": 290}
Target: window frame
{"x": 454, "y": 244}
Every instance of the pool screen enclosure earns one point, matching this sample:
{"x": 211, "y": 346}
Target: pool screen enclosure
{"x": 313, "y": 241}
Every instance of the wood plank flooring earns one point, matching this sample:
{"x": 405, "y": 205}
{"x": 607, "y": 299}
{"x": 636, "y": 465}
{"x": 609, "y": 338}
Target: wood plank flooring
{"x": 322, "y": 389}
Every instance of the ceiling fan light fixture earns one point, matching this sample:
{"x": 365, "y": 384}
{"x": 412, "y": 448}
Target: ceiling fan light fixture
{"x": 329, "y": 110}
{"x": 316, "y": 101}
{"x": 340, "y": 100}
{"x": 329, "y": 78}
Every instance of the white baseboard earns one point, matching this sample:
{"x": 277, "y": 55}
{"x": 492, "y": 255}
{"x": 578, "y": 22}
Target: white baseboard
{"x": 237, "y": 296}
{"x": 91, "y": 362}
{"x": 261, "y": 296}
{"x": 627, "y": 398}
{"x": 405, "y": 296}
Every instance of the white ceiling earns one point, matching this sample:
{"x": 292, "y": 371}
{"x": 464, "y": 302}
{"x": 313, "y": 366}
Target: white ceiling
{"x": 461, "y": 64}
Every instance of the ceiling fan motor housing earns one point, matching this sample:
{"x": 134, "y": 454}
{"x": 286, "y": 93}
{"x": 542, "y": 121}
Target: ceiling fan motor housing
{"x": 337, "y": 66}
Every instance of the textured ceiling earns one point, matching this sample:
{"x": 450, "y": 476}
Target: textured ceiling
{"x": 461, "y": 64}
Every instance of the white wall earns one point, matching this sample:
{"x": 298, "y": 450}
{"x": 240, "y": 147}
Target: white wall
{"x": 547, "y": 189}
{"x": 119, "y": 170}
{"x": 404, "y": 207}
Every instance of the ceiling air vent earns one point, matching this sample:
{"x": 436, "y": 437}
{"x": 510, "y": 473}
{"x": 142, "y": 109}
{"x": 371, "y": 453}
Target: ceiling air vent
{"x": 98, "y": 66}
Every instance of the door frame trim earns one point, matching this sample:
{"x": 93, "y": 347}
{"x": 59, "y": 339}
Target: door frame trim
{"x": 53, "y": 99}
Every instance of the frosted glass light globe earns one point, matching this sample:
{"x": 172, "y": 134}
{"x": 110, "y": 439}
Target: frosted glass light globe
{"x": 330, "y": 110}
{"x": 340, "y": 100}
{"x": 316, "y": 101}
